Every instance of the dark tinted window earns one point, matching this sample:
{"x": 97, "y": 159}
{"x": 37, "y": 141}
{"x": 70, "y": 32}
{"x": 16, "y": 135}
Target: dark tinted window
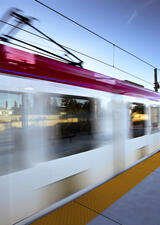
{"x": 138, "y": 119}
{"x": 70, "y": 125}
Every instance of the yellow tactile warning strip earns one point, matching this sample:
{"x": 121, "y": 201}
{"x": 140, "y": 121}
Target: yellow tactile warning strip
{"x": 70, "y": 214}
{"x": 82, "y": 210}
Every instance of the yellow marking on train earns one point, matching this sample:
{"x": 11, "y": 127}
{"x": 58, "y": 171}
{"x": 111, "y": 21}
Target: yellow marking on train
{"x": 85, "y": 208}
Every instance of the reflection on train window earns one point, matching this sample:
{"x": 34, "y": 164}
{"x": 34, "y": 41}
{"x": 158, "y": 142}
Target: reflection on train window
{"x": 70, "y": 125}
{"x": 11, "y": 141}
{"x": 155, "y": 122}
{"x": 40, "y": 127}
{"x": 138, "y": 118}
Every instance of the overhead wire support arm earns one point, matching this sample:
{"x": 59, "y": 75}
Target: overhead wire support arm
{"x": 70, "y": 53}
{"x": 41, "y": 49}
{"x": 21, "y": 20}
{"x": 27, "y": 21}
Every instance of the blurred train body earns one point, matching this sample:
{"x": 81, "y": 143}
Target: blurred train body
{"x": 65, "y": 130}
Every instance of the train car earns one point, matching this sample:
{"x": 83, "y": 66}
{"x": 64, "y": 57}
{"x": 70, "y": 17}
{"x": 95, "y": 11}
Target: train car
{"x": 64, "y": 130}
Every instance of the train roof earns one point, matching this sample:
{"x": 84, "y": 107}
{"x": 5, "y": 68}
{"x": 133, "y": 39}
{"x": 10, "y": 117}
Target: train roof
{"x": 21, "y": 63}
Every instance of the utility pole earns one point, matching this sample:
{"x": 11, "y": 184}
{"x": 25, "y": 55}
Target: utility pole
{"x": 156, "y": 84}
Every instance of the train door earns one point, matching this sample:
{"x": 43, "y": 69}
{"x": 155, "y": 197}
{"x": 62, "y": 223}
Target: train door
{"x": 137, "y": 136}
{"x": 154, "y": 115}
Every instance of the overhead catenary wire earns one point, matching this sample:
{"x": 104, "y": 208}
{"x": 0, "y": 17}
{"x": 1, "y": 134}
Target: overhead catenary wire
{"x": 96, "y": 34}
{"x": 110, "y": 65}
{"x": 95, "y": 59}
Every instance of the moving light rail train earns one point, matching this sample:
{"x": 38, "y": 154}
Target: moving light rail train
{"x": 65, "y": 130}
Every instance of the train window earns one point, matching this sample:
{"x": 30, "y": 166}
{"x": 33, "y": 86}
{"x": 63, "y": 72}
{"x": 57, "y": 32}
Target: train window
{"x": 138, "y": 118}
{"x": 155, "y": 122}
{"x": 10, "y": 131}
{"x": 40, "y": 127}
{"x": 69, "y": 124}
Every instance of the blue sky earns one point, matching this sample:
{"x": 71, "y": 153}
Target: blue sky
{"x": 133, "y": 25}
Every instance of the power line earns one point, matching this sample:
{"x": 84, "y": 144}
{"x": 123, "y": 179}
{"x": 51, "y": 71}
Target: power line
{"x": 96, "y": 34}
{"x": 131, "y": 74}
{"x": 110, "y": 65}
{"x": 90, "y": 57}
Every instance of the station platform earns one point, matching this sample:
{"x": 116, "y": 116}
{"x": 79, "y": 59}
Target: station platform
{"x": 131, "y": 198}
